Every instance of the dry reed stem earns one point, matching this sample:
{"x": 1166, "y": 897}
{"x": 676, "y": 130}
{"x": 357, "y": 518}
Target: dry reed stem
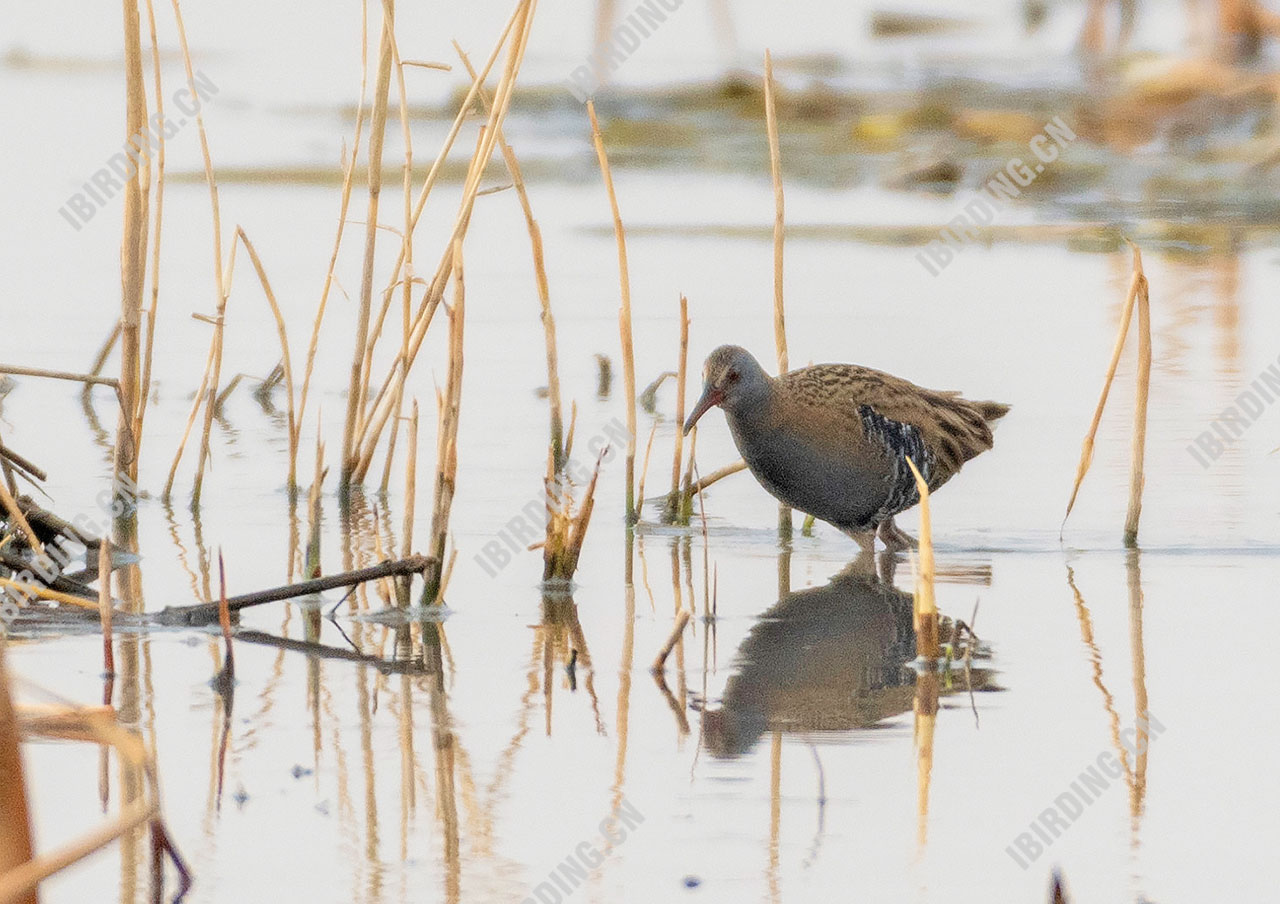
{"x": 19, "y": 520}
{"x": 148, "y": 343}
{"x": 624, "y": 313}
{"x": 566, "y": 532}
{"x": 98, "y": 725}
{"x": 674, "y": 505}
{"x": 224, "y": 619}
{"x": 284, "y": 351}
{"x": 373, "y": 425}
{"x": 660, "y": 661}
{"x": 410, "y": 487}
{"x": 559, "y": 454}
{"x": 1137, "y": 477}
{"x": 926, "y": 610}
{"x": 463, "y": 109}
{"x": 573, "y": 426}
{"x": 15, "y": 820}
{"x": 348, "y": 172}
{"x": 221, "y": 278}
{"x": 133, "y": 245}
{"x": 717, "y": 475}
{"x": 925, "y": 708}
{"x": 56, "y": 722}
{"x": 311, "y": 566}
{"x": 21, "y": 462}
{"x": 434, "y": 293}
{"x": 104, "y": 352}
{"x": 447, "y": 445}
{"x": 644, "y": 469}
{"x": 406, "y": 284}
{"x": 215, "y": 375}
{"x": 87, "y": 379}
{"x": 186, "y": 432}
{"x": 45, "y": 593}
{"x": 779, "y": 235}
{"x": 104, "y": 606}
{"x": 1136, "y": 284}
{"x": 357, "y": 386}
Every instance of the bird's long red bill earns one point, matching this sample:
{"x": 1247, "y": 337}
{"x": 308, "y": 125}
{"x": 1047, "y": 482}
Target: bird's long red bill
{"x": 710, "y": 398}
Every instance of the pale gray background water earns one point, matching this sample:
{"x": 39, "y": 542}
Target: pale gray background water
{"x": 1029, "y": 324}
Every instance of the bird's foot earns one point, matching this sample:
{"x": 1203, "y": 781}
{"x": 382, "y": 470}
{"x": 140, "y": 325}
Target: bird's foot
{"x": 893, "y": 537}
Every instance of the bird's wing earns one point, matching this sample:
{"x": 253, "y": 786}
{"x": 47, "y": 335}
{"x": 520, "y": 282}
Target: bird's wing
{"x": 940, "y": 430}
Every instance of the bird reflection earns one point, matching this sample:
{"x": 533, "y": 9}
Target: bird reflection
{"x": 830, "y": 658}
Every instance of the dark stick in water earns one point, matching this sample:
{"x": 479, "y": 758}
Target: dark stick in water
{"x": 206, "y": 613}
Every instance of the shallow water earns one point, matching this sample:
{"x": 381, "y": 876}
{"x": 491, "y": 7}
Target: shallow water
{"x": 783, "y": 757}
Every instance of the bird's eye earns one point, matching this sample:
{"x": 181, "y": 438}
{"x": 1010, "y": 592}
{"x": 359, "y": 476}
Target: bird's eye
{"x": 732, "y": 376}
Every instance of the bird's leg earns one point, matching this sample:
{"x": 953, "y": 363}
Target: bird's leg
{"x": 864, "y": 565}
{"x": 886, "y": 566}
{"x": 865, "y": 538}
{"x": 894, "y": 537}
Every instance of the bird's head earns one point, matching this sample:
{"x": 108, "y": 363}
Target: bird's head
{"x": 732, "y": 379}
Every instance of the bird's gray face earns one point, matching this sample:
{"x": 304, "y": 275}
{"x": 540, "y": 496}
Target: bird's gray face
{"x": 732, "y": 379}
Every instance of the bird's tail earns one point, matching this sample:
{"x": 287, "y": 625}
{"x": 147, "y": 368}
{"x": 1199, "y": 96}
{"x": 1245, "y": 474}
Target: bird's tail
{"x": 991, "y": 411}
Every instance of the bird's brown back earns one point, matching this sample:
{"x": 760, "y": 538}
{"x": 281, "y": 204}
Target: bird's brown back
{"x": 952, "y": 429}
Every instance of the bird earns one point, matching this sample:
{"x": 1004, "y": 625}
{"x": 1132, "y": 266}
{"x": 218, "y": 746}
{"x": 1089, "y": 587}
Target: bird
{"x": 832, "y": 440}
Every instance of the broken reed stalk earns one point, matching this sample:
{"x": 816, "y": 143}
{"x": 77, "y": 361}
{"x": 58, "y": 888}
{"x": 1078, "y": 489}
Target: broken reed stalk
{"x": 674, "y": 510}
{"x": 660, "y": 661}
{"x": 926, "y": 609}
{"x": 624, "y": 314}
{"x": 104, "y": 606}
{"x": 1137, "y": 296}
{"x": 377, "y": 134}
{"x": 283, "y": 334}
{"x": 447, "y": 445}
{"x": 372, "y": 425}
{"x": 779, "y": 234}
{"x": 565, "y": 531}
{"x": 559, "y": 455}
{"x": 15, "y": 819}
